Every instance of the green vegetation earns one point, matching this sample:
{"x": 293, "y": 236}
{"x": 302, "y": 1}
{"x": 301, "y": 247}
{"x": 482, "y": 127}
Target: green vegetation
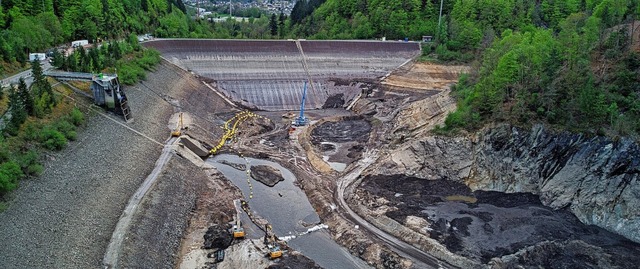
{"x": 37, "y": 25}
{"x": 581, "y": 73}
{"x": 570, "y": 63}
{"x": 127, "y": 57}
{"x": 20, "y": 152}
{"x": 33, "y": 124}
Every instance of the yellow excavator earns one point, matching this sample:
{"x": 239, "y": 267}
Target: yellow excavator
{"x": 238, "y": 231}
{"x": 271, "y": 241}
{"x": 178, "y": 131}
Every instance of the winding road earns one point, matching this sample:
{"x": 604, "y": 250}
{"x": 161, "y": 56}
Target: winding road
{"x": 421, "y": 258}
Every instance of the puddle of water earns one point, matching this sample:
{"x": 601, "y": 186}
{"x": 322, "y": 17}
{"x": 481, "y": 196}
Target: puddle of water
{"x": 461, "y": 198}
{"x": 287, "y": 208}
{"x": 335, "y": 166}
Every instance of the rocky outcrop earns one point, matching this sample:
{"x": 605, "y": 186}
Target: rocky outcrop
{"x": 423, "y": 115}
{"x": 596, "y": 178}
{"x": 266, "y": 175}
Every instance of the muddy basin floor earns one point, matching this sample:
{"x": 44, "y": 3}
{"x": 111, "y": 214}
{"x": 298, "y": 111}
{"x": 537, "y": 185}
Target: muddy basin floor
{"x": 341, "y": 141}
{"x": 482, "y": 225}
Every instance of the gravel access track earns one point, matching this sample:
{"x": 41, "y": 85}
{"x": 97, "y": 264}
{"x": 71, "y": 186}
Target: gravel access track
{"x": 153, "y": 239}
{"x": 65, "y": 218}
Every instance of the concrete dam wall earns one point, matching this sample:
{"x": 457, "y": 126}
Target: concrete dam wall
{"x": 270, "y": 74}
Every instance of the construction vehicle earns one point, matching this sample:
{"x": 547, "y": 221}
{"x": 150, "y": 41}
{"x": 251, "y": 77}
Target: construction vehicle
{"x": 301, "y": 120}
{"x": 238, "y": 231}
{"x": 271, "y": 241}
{"x": 178, "y": 131}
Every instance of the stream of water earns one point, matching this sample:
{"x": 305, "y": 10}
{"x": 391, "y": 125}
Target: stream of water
{"x": 290, "y": 213}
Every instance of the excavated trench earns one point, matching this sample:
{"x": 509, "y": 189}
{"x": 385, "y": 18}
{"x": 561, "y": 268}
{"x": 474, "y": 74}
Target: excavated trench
{"x": 482, "y": 225}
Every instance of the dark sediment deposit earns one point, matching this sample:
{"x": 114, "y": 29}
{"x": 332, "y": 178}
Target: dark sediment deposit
{"x": 217, "y": 237}
{"x": 515, "y": 228}
{"x": 342, "y": 141}
{"x": 267, "y": 175}
{"x": 350, "y": 130}
{"x": 294, "y": 261}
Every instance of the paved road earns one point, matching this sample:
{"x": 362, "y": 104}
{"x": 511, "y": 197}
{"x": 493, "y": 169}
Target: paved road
{"x": 24, "y": 74}
{"x": 423, "y": 259}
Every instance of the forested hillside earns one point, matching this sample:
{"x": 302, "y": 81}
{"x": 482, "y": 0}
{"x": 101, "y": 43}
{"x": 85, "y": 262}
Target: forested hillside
{"x": 571, "y": 63}
{"x": 35, "y": 25}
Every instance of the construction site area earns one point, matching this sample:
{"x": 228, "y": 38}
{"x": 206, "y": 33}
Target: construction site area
{"x": 290, "y": 154}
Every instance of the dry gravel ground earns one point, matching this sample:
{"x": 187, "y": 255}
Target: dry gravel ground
{"x": 65, "y": 218}
{"x": 154, "y": 236}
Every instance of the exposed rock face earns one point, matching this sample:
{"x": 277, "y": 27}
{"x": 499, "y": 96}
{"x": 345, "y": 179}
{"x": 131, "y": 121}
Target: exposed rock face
{"x": 421, "y": 116}
{"x": 596, "y": 178}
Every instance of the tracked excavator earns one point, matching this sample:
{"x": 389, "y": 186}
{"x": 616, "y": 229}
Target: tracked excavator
{"x": 178, "y": 131}
{"x": 271, "y": 241}
{"x": 238, "y": 231}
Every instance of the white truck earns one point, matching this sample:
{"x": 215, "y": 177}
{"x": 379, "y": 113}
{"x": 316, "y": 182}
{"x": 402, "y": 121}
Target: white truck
{"x": 79, "y": 43}
{"x": 37, "y": 57}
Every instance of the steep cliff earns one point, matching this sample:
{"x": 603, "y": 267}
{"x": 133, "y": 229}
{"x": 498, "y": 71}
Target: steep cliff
{"x": 596, "y": 178}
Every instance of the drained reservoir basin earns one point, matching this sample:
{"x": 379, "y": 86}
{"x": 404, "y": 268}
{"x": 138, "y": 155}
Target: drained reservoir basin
{"x": 288, "y": 210}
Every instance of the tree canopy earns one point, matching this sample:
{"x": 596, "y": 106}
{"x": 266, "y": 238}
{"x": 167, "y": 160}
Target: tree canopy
{"x": 569, "y": 63}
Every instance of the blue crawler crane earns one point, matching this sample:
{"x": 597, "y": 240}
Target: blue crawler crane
{"x": 302, "y": 120}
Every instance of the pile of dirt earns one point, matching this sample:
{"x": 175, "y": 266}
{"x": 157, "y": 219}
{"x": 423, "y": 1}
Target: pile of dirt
{"x": 426, "y": 76}
{"x": 334, "y": 101}
{"x": 267, "y": 175}
{"x": 217, "y": 237}
{"x": 255, "y": 126}
{"x": 294, "y": 260}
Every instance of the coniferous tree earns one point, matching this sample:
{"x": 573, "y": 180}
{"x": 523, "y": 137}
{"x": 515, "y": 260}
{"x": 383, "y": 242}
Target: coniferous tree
{"x": 273, "y": 24}
{"x": 281, "y": 22}
{"x": 25, "y": 98}
{"x": 17, "y": 110}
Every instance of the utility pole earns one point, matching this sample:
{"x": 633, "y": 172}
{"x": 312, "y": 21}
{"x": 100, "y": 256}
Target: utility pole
{"x": 440, "y": 17}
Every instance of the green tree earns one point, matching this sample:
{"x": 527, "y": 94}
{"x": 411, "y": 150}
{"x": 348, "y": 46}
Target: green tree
{"x": 17, "y": 111}
{"x": 273, "y": 25}
{"x": 281, "y": 24}
{"x": 26, "y": 99}
{"x": 10, "y": 173}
